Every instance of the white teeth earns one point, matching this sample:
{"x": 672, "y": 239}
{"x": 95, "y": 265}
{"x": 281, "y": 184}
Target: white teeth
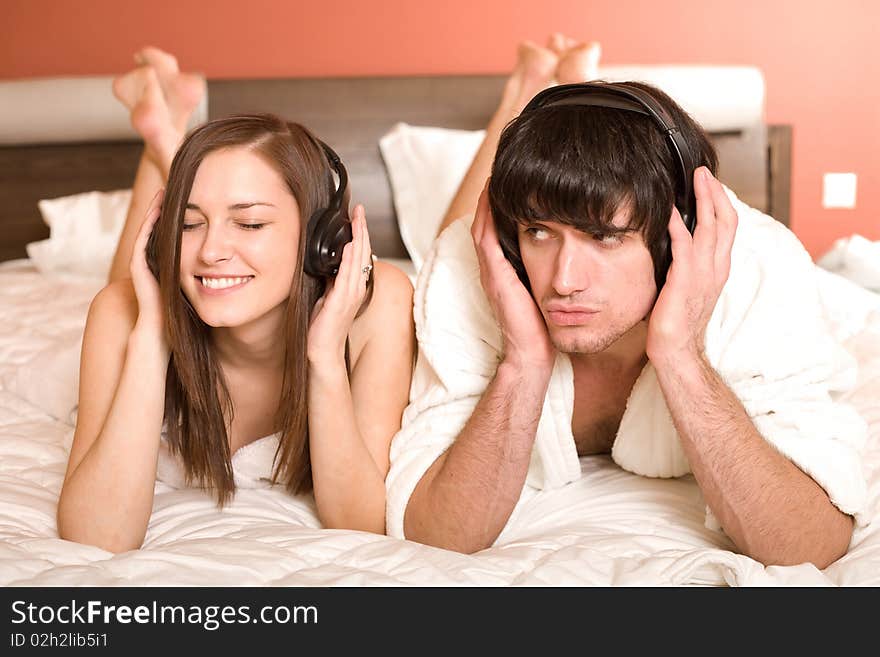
{"x": 221, "y": 283}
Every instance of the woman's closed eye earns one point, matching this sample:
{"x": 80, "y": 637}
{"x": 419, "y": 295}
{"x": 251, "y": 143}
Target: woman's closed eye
{"x": 243, "y": 224}
{"x": 251, "y": 225}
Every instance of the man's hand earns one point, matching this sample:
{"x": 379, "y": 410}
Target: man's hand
{"x": 526, "y": 340}
{"x": 699, "y": 270}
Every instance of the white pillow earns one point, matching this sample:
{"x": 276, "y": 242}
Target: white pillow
{"x": 856, "y": 258}
{"x": 84, "y": 230}
{"x": 425, "y": 166}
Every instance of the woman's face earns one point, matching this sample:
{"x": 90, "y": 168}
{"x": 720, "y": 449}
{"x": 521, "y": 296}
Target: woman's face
{"x": 240, "y": 239}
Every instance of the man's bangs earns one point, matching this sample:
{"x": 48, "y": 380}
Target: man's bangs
{"x": 583, "y": 182}
{"x": 590, "y": 213}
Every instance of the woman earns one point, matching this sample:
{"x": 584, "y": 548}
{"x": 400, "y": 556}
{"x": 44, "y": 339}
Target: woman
{"x": 234, "y": 343}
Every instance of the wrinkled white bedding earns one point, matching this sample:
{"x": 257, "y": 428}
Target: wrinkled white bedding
{"x": 609, "y": 527}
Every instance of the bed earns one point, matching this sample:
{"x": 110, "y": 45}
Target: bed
{"x": 608, "y": 528}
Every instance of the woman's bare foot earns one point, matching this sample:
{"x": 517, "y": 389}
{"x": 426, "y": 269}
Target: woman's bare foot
{"x": 533, "y": 73}
{"x": 140, "y": 92}
{"x": 183, "y": 91}
{"x": 578, "y": 62}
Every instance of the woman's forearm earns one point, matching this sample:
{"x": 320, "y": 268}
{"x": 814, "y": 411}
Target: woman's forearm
{"x": 107, "y": 500}
{"x": 349, "y": 485}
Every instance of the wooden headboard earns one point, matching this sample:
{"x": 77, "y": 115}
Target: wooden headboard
{"x": 351, "y": 114}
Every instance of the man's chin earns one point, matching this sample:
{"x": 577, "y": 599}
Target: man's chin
{"x": 581, "y": 344}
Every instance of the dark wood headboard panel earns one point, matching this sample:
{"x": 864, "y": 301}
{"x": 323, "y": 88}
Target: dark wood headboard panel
{"x": 31, "y": 173}
{"x": 351, "y": 114}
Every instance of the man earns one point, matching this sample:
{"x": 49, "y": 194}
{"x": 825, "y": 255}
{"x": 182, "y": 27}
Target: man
{"x": 577, "y": 341}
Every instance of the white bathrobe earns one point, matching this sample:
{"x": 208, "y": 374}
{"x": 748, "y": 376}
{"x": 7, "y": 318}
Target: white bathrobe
{"x": 768, "y": 338}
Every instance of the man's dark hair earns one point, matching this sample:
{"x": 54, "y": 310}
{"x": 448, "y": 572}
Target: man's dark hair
{"x": 578, "y": 165}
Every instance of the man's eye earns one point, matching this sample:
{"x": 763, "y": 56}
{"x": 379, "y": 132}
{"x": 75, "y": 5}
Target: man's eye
{"x": 537, "y": 233}
{"x": 610, "y": 239}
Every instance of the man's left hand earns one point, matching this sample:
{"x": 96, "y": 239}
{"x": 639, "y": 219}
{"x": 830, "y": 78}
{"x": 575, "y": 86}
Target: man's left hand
{"x": 699, "y": 270}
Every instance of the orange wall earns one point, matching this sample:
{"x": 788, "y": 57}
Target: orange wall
{"x": 820, "y": 58}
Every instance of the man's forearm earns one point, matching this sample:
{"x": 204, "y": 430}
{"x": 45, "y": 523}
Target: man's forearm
{"x": 466, "y": 497}
{"x": 772, "y": 510}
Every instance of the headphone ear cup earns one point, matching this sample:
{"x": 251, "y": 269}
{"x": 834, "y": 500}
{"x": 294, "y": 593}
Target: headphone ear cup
{"x": 661, "y": 267}
{"x": 313, "y": 262}
{"x": 329, "y": 229}
{"x": 328, "y": 233}
{"x": 688, "y": 212}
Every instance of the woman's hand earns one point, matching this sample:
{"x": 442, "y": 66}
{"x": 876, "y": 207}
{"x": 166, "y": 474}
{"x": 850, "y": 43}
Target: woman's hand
{"x": 151, "y": 316}
{"x": 699, "y": 270}
{"x": 334, "y": 313}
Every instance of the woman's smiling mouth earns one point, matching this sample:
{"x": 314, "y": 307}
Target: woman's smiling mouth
{"x": 222, "y": 284}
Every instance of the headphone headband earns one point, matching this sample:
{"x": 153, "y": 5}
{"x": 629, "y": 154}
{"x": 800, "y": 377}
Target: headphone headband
{"x": 337, "y": 166}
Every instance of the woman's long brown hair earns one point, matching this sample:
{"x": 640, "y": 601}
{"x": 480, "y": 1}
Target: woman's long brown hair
{"x": 198, "y": 407}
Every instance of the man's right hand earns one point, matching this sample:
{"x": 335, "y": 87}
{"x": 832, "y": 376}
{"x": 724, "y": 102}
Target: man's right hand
{"x": 526, "y": 340}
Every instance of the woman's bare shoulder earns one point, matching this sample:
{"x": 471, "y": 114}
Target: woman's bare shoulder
{"x": 392, "y": 294}
{"x": 390, "y": 310}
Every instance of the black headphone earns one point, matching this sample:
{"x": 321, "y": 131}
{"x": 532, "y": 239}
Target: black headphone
{"x": 329, "y": 229}
{"x": 619, "y": 95}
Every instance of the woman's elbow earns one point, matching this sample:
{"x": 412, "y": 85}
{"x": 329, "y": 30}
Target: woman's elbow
{"x": 78, "y": 532}
{"x": 369, "y": 516}
{"x": 373, "y": 525}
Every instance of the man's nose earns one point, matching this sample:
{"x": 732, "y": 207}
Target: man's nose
{"x": 572, "y": 273}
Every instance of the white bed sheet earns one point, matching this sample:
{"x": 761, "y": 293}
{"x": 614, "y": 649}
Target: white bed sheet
{"x": 608, "y": 528}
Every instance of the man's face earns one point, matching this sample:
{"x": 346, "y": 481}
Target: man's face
{"x": 591, "y": 289}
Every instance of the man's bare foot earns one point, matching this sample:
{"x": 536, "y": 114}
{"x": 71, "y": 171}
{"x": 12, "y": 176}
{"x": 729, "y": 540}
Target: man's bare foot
{"x": 182, "y": 91}
{"x": 560, "y": 43}
{"x": 578, "y": 62}
{"x": 533, "y": 73}
{"x": 140, "y": 92}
